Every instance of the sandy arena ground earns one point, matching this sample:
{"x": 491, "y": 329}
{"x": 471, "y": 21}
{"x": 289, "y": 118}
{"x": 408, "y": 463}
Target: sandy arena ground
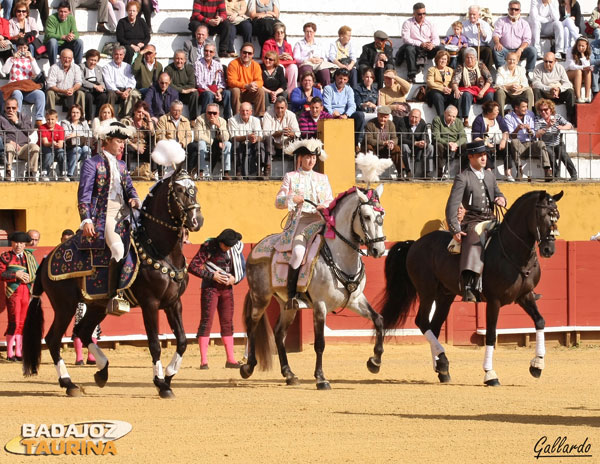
{"x": 401, "y": 414}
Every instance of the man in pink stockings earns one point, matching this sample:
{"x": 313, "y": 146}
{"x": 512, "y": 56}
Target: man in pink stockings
{"x": 17, "y": 268}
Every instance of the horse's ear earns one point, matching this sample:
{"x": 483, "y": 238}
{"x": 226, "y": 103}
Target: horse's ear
{"x": 379, "y": 190}
{"x": 558, "y": 196}
{"x": 180, "y": 166}
{"x": 362, "y": 196}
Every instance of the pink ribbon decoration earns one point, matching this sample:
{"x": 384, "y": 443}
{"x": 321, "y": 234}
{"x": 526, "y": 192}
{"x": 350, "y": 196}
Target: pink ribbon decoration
{"x": 330, "y": 219}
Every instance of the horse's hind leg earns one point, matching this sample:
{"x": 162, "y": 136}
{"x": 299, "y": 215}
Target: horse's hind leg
{"x": 319, "y": 314}
{"x": 176, "y": 323}
{"x": 527, "y": 302}
{"x": 491, "y": 320}
{"x": 286, "y": 317}
{"x": 431, "y": 331}
{"x": 94, "y": 315}
{"x": 54, "y": 339}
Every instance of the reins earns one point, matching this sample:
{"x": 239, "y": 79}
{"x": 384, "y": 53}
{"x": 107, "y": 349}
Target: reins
{"x": 500, "y": 213}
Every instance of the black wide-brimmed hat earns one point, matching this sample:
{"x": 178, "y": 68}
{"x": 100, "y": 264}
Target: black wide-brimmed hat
{"x": 229, "y": 237}
{"x": 19, "y": 237}
{"x": 476, "y": 147}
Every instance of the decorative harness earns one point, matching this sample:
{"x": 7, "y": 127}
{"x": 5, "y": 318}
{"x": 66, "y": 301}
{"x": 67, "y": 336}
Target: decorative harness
{"x": 351, "y": 282}
{"x": 148, "y": 253}
{"x": 550, "y": 237}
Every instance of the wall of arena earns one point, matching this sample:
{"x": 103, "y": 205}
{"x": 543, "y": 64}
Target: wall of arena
{"x": 568, "y": 304}
{"x": 412, "y": 208}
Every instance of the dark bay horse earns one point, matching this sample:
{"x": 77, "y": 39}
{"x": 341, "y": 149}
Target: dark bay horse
{"x": 161, "y": 280}
{"x": 426, "y": 269}
{"x": 338, "y": 281}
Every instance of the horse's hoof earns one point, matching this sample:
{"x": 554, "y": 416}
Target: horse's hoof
{"x": 246, "y": 371}
{"x": 535, "y": 372}
{"x": 101, "y": 376}
{"x": 168, "y": 379}
{"x": 444, "y": 378}
{"x": 323, "y": 385}
{"x": 373, "y": 366}
{"x": 442, "y": 367}
{"x": 292, "y": 380}
{"x": 492, "y": 383}
{"x": 166, "y": 394}
{"x": 74, "y": 392}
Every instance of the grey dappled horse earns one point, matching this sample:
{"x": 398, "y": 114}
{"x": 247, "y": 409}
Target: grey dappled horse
{"x": 338, "y": 281}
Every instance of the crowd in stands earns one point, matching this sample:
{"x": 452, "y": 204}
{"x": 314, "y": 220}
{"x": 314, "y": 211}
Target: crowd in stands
{"x": 241, "y": 116}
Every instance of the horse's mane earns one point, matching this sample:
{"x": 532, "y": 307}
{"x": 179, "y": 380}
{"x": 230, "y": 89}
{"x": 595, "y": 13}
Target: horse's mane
{"x": 521, "y": 202}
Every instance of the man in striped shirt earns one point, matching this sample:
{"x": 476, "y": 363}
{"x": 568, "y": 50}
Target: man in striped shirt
{"x": 210, "y": 81}
{"x": 308, "y": 120}
{"x": 213, "y": 15}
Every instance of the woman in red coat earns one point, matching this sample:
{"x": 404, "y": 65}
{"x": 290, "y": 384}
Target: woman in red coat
{"x": 279, "y": 45}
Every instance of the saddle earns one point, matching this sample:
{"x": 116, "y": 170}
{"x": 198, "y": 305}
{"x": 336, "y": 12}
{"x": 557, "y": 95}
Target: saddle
{"x": 90, "y": 266}
{"x": 483, "y": 229}
{"x": 266, "y": 250}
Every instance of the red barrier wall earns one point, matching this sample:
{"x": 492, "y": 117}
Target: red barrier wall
{"x": 568, "y": 287}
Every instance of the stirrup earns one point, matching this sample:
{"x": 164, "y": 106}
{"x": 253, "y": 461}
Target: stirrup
{"x": 292, "y": 303}
{"x": 469, "y": 296}
{"x": 117, "y": 306}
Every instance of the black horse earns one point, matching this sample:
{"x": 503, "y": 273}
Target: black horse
{"x": 511, "y": 272}
{"x": 161, "y": 280}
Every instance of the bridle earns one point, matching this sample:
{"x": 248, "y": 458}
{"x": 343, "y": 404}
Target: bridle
{"x": 373, "y": 202}
{"x": 550, "y": 237}
{"x": 172, "y": 197}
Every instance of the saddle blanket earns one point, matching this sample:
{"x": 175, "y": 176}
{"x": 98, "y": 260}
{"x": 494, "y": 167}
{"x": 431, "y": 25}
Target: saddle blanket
{"x": 90, "y": 266}
{"x": 265, "y": 250}
{"x": 482, "y": 229}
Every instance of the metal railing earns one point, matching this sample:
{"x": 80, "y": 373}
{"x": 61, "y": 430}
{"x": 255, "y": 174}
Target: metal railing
{"x": 435, "y": 160}
{"x": 250, "y": 156}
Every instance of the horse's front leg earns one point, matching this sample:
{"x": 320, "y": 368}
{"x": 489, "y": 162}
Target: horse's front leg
{"x": 492, "y": 311}
{"x": 527, "y": 302}
{"x": 150, "y": 313}
{"x": 286, "y": 317}
{"x": 319, "y": 315}
{"x": 174, "y": 317}
{"x": 374, "y": 362}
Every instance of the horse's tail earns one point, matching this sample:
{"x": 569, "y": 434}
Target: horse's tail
{"x": 34, "y": 327}
{"x": 400, "y": 293}
{"x": 263, "y": 336}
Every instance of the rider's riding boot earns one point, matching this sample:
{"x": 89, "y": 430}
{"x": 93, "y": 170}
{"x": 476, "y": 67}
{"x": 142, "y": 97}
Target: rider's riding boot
{"x": 116, "y": 304}
{"x": 469, "y": 286}
{"x": 292, "y": 282}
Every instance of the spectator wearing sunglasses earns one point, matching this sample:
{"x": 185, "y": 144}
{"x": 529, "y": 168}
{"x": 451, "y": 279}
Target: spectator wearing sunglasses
{"x": 513, "y": 34}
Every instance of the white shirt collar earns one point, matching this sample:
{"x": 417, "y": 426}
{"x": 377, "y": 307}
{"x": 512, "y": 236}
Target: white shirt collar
{"x": 480, "y": 175}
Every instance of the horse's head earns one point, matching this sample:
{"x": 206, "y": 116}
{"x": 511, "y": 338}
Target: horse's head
{"x": 546, "y": 222}
{"x": 367, "y": 221}
{"x": 182, "y": 201}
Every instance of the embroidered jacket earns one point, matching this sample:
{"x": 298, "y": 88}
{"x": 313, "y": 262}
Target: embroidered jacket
{"x": 310, "y": 185}
{"x": 210, "y": 259}
{"x": 92, "y": 196}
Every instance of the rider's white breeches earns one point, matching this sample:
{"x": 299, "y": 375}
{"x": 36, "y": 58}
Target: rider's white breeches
{"x": 113, "y": 240}
{"x": 299, "y": 241}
